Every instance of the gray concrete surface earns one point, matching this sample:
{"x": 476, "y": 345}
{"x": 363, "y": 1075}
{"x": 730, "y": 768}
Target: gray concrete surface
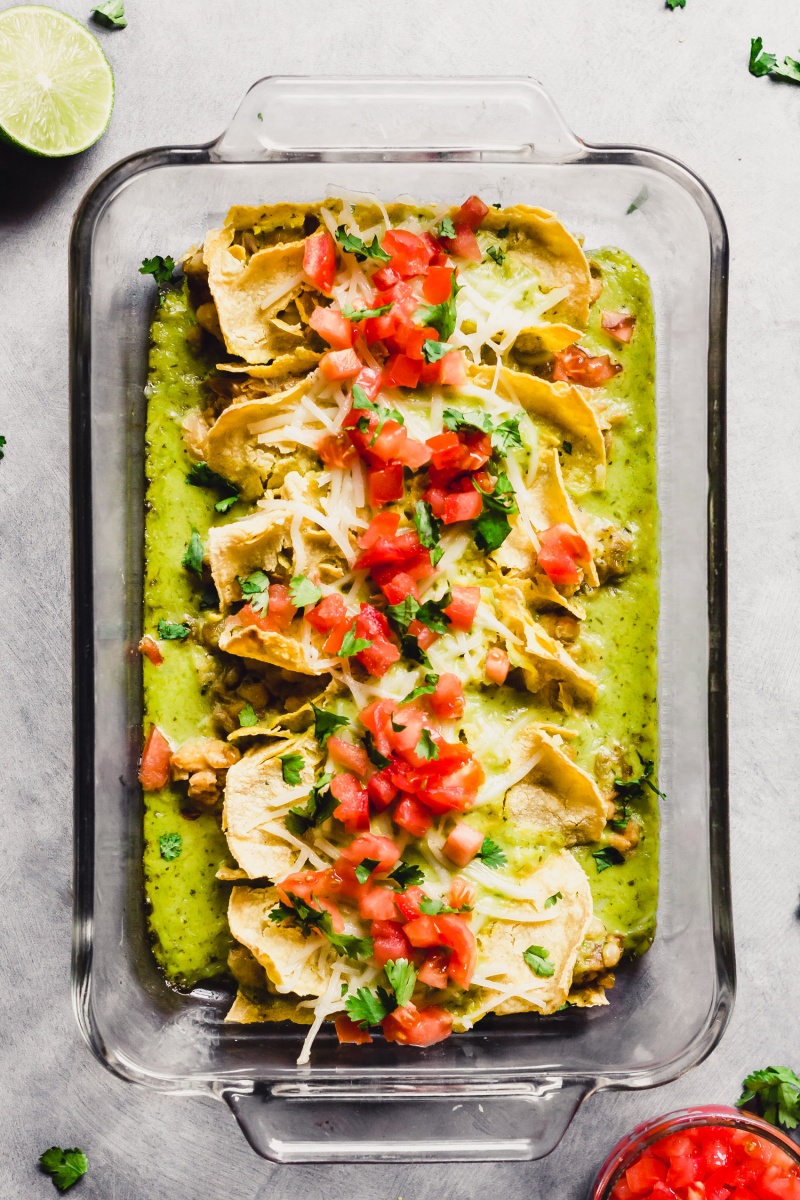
{"x": 622, "y": 70}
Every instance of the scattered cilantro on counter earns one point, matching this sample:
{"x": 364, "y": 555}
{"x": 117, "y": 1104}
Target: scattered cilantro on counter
{"x": 775, "y": 1094}
{"x": 762, "y": 63}
{"x": 2, "y": 443}
{"x": 64, "y": 1167}
{"x": 111, "y": 13}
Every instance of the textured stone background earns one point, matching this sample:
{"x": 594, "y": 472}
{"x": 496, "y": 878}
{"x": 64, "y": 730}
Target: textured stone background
{"x": 622, "y": 71}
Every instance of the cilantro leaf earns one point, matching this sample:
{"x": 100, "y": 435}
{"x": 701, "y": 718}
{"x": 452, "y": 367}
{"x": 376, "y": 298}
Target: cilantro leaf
{"x": 373, "y": 753}
{"x": 291, "y": 766}
{"x": 454, "y": 420}
{"x": 536, "y": 957}
{"x": 303, "y": 592}
{"x": 346, "y": 944}
{"x": 634, "y": 787}
{"x": 429, "y": 528}
{"x": 492, "y": 527}
{"x": 318, "y": 808}
{"x": 65, "y": 1167}
{"x": 434, "y": 351}
{"x": 193, "y": 557}
{"x": 2, "y": 443}
{"x": 354, "y": 245}
{"x": 170, "y": 846}
{"x": 362, "y": 401}
{"x": 201, "y": 475}
{"x": 505, "y": 436}
{"x": 402, "y": 976}
{"x": 307, "y": 919}
{"x": 497, "y": 253}
{"x": 110, "y": 13}
{"x": 410, "y": 648}
{"x": 171, "y": 631}
{"x": 363, "y": 314}
{"x": 160, "y": 268}
{"x": 352, "y": 644}
{"x": 767, "y": 64}
{"x": 247, "y": 717}
{"x": 432, "y": 613}
{"x": 403, "y": 613}
{"x": 442, "y": 317}
{"x": 426, "y": 747}
{"x": 423, "y": 689}
{"x": 776, "y": 1091}
{"x": 491, "y": 854}
{"x": 607, "y": 856}
{"x": 620, "y": 822}
{"x": 676, "y": 4}
{"x": 447, "y": 229}
{"x": 554, "y": 899}
{"x": 406, "y": 875}
{"x": 325, "y": 723}
{"x": 367, "y": 1007}
{"x": 432, "y": 906}
{"x": 255, "y": 589}
{"x": 566, "y": 447}
{"x": 365, "y": 869}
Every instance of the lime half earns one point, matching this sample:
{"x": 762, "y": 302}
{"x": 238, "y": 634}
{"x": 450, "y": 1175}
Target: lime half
{"x": 56, "y": 87}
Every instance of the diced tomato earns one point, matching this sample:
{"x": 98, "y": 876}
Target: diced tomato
{"x": 319, "y": 260}
{"x": 348, "y": 1032}
{"x": 154, "y": 766}
{"x": 410, "y": 253}
{"x": 621, "y": 1191}
{"x": 370, "y": 623}
{"x": 315, "y": 888}
{"x": 561, "y": 549}
{"x": 332, "y": 326}
{"x": 433, "y": 971}
{"x": 435, "y": 496}
{"x": 412, "y": 816}
{"x": 461, "y": 893}
{"x": 401, "y": 371}
{"x": 683, "y": 1170}
{"x": 380, "y": 329}
{"x": 396, "y": 550}
{"x": 464, "y": 244}
{"x": 376, "y": 717}
{"x": 403, "y": 299}
{"x": 645, "y": 1173}
{"x": 575, "y": 365}
{"x": 381, "y": 850}
{"x": 150, "y": 647}
{"x": 383, "y": 525}
{"x": 409, "y": 721}
{"x": 385, "y": 277}
{"x": 381, "y": 790}
{"x": 442, "y": 446}
{"x": 333, "y": 643}
{"x": 370, "y": 380}
{"x": 497, "y": 666}
{"x": 786, "y": 1188}
{"x": 390, "y": 942}
{"x": 619, "y": 325}
{"x": 437, "y": 286}
{"x": 425, "y": 636}
{"x": 340, "y": 364}
{"x": 328, "y": 613}
{"x": 336, "y": 450}
{"x": 674, "y": 1144}
{"x": 457, "y": 791}
{"x": 462, "y": 844}
{"x": 353, "y": 807}
{"x": 409, "y": 901}
{"x": 447, "y": 699}
{"x": 471, "y": 213}
{"x": 411, "y": 339}
{"x": 377, "y": 904}
{"x": 385, "y": 484}
{"x": 453, "y": 369}
{"x": 462, "y": 506}
{"x": 398, "y": 587}
{"x": 348, "y": 755}
{"x": 453, "y": 932}
{"x": 384, "y": 447}
{"x": 281, "y": 611}
{"x": 417, "y": 1027}
{"x": 462, "y": 608}
{"x": 377, "y": 659}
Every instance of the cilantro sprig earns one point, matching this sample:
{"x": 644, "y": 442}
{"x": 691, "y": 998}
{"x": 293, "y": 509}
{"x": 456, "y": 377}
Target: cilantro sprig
{"x": 355, "y": 245}
{"x": 247, "y": 717}
{"x": 255, "y": 589}
{"x": 307, "y": 919}
{"x": 432, "y": 906}
{"x": 492, "y": 526}
{"x": 505, "y": 434}
{"x": 317, "y": 809}
{"x": 111, "y": 13}
{"x": 365, "y": 869}
{"x": 303, "y": 593}
{"x": 369, "y": 1007}
{"x": 353, "y": 645}
{"x": 363, "y": 314}
{"x": 537, "y": 959}
{"x": 775, "y": 1094}
{"x": 64, "y": 1167}
{"x": 423, "y": 689}
{"x": 173, "y": 631}
{"x": 431, "y": 613}
{"x": 402, "y": 976}
{"x": 291, "y": 766}
{"x": 426, "y": 747}
{"x": 762, "y": 63}
{"x": 373, "y": 753}
{"x": 607, "y": 856}
{"x": 442, "y": 317}
{"x": 160, "y": 268}
{"x": 407, "y": 875}
{"x": 429, "y": 529}
{"x": 554, "y": 899}
{"x": 447, "y": 229}
{"x": 435, "y": 351}
{"x": 325, "y": 723}
{"x": 201, "y": 475}
{"x": 491, "y": 854}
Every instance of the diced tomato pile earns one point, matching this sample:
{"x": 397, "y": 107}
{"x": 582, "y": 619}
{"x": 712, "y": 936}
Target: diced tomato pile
{"x": 710, "y": 1162}
{"x": 561, "y": 551}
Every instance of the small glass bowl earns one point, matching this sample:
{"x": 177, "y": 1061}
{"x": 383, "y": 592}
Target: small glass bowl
{"x": 631, "y": 1146}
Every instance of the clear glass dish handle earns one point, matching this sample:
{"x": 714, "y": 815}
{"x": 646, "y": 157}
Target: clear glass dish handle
{"x": 292, "y": 1123}
{"x": 512, "y": 119}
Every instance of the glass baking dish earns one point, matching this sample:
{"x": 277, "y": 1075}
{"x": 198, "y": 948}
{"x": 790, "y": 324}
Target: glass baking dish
{"x": 508, "y": 1089}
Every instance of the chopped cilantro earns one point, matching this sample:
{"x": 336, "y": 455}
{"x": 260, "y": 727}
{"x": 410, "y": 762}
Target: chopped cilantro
{"x": 318, "y": 808}
{"x": 442, "y": 317}
{"x": 160, "y": 268}
{"x": 307, "y": 918}
{"x": 633, "y": 787}
{"x": 363, "y": 314}
{"x": 402, "y": 976}
{"x": 537, "y": 959}
{"x": 406, "y": 875}
{"x": 303, "y": 592}
{"x": 551, "y": 900}
{"x": 620, "y": 822}
{"x": 607, "y": 856}
{"x": 776, "y": 1092}
{"x": 64, "y": 1167}
{"x": 247, "y": 717}
{"x": 369, "y": 1008}
{"x": 255, "y": 589}
{"x": 362, "y": 401}
{"x": 431, "y": 613}
{"x": 201, "y": 475}
{"x": 403, "y": 613}
{"x": 502, "y": 233}
{"x": 170, "y": 846}
{"x": 291, "y": 766}
{"x": 506, "y": 436}
{"x": 454, "y": 420}
{"x": 428, "y": 527}
{"x": 365, "y": 869}
{"x": 426, "y": 747}
{"x": 497, "y": 253}
{"x": 491, "y": 854}
{"x": 352, "y": 644}
{"x": 373, "y": 754}
{"x": 171, "y": 631}
{"x": 227, "y": 502}
{"x": 325, "y": 723}
{"x": 410, "y": 648}
{"x": 110, "y": 13}
{"x": 423, "y": 689}
{"x": 362, "y": 251}
{"x": 492, "y": 526}
{"x": 432, "y": 906}
{"x": 193, "y": 557}
{"x": 434, "y": 351}
{"x": 676, "y": 4}
{"x": 637, "y": 201}
{"x": 767, "y": 64}
{"x": 447, "y": 229}
{"x": 566, "y": 447}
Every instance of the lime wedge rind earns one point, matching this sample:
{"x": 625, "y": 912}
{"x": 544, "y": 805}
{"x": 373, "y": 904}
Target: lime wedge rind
{"x": 56, "y": 84}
